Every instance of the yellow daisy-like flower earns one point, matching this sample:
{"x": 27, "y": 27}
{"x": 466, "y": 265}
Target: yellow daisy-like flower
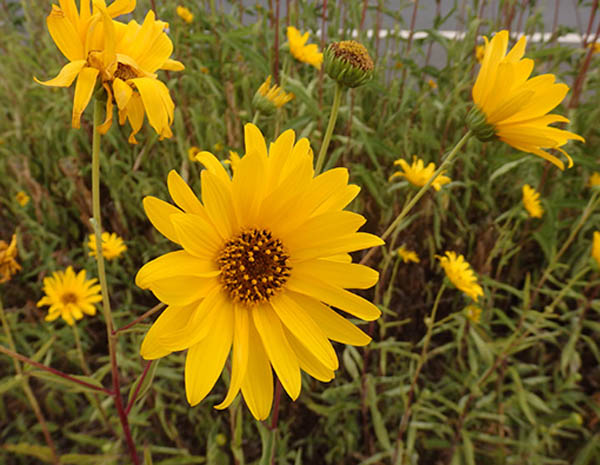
{"x": 22, "y": 198}
{"x": 594, "y": 179}
{"x": 531, "y": 202}
{"x": 305, "y": 53}
{"x": 595, "y": 46}
{"x": 264, "y": 258}
{"x": 596, "y": 247}
{"x": 124, "y": 57}
{"x": 70, "y": 295}
{"x": 112, "y": 245}
{"x": 192, "y": 152}
{"x": 269, "y": 97}
{"x": 514, "y": 108}
{"x": 459, "y": 272}
{"x": 8, "y": 263}
{"x": 473, "y": 313}
{"x": 418, "y": 175}
{"x": 185, "y": 14}
{"x": 431, "y": 83}
{"x": 407, "y": 255}
{"x": 479, "y": 53}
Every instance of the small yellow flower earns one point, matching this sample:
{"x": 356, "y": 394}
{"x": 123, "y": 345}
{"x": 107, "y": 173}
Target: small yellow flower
{"x": 305, "y": 53}
{"x": 184, "y": 14}
{"x": 431, "y": 83}
{"x": 192, "y": 152}
{"x": 22, "y": 198}
{"x": 473, "y": 313}
{"x": 407, "y": 255}
{"x": 398, "y": 65}
{"x": 596, "y": 247}
{"x": 512, "y": 107}
{"x": 418, "y": 175}
{"x": 269, "y": 98}
{"x": 479, "y": 53}
{"x": 218, "y": 147}
{"x": 594, "y": 179}
{"x": 459, "y": 272}
{"x": 69, "y": 295}
{"x": 8, "y": 264}
{"x": 112, "y": 245}
{"x": 595, "y": 46}
{"x": 204, "y": 70}
{"x": 531, "y": 202}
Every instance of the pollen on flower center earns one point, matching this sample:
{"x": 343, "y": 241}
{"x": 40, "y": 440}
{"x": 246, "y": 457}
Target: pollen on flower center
{"x": 125, "y": 72}
{"x": 68, "y": 298}
{"x": 353, "y": 52}
{"x": 253, "y": 266}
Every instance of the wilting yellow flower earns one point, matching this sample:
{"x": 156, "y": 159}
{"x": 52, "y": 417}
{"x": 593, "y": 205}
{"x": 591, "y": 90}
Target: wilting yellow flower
{"x": 270, "y": 97}
{"x": 596, "y": 247}
{"x": 459, "y": 272}
{"x": 22, "y": 198}
{"x": 305, "y": 53}
{"x": 112, "y": 245}
{"x": 531, "y": 202}
{"x": 418, "y": 175}
{"x": 8, "y": 263}
{"x": 124, "y": 57}
{"x": 473, "y": 313}
{"x": 594, "y": 179}
{"x": 69, "y": 295}
{"x": 254, "y": 277}
{"x": 407, "y": 255}
{"x": 514, "y": 108}
{"x": 479, "y": 53}
{"x": 192, "y": 152}
{"x": 431, "y": 83}
{"x": 184, "y": 14}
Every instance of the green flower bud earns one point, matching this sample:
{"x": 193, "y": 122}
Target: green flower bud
{"x": 348, "y": 62}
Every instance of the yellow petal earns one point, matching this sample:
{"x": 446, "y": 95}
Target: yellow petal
{"x": 308, "y": 362}
{"x": 159, "y": 213}
{"x": 178, "y": 263}
{"x": 64, "y": 34}
{"x": 122, "y": 92}
{"x": 254, "y": 140}
{"x": 183, "y": 196}
{"x": 83, "y": 93}
{"x": 67, "y": 75}
{"x": 218, "y": 203}
{"x": 212, "y": 164}
{"x": 257, "y": 386}
{"x": 196, "y": 236}
{"x": 172, "y": 65}
{"x": 150, "y": 91}
{"x": 337, "y": 245}
{"x": 171, "y": 319}
{"x": 120, "y": 7}
{"x": 104, "y": 127}
{"x": 182, "y": 290}
{"x": 346, "y": 275}
{"x": 135, "y": 114}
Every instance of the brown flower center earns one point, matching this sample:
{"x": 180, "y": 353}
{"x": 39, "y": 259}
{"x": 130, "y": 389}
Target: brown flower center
{"x": 68, "y": 298}
{"x": 125, "y": 72}
{"x": 253, "y": 266}
{"x": 354, "y": 53}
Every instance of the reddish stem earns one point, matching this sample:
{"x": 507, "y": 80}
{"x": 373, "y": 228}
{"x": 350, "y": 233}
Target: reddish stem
{"x": 152, "y": 311}
{"x": 275, "y": 417}
{"x": 138, "y": 387}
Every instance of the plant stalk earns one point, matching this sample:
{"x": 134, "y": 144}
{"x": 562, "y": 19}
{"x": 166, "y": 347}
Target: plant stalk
{"x": 337, "y": 98}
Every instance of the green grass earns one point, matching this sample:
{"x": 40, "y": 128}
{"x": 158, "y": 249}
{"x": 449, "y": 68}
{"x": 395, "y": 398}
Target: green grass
{"x": 538, "y": 405}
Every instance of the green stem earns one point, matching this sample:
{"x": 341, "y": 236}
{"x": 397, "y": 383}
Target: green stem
{"x": 255, "y": 119}
{"x": 337, "y": 98}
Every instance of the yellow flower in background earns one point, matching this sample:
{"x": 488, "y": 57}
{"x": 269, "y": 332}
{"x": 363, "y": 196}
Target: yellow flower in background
{"x": 418, "y": 175}
{"x": 305, "y": 53}
{"x": 459, "y": 272}
{"x": 479, "y": 53}
{"x": 407, "y": 255}
{"x": 473, "y": 313}
{"x": 8, "y": 262}
{"x": 204, "y": 70}
{"x": 192, "y": 152}
{"x": 514, "y": 108}
{"x": 122, "y": 57}
{"x": 531, "y": 202}
{"x": 594, "y": 179}
{"x": 70, "y": 295}
{"x": 22, "y": 198}
{"x": 185, "y": 14}
{"x": 112, "y": 245}
{"x": 596, "y": 247}
{"x": 218, "y": 146}
{"x": 595, "y": 46}
{"x": 269, "y": 98}
{"x": 431, "y": 83}
{"x": 255, "y": 280}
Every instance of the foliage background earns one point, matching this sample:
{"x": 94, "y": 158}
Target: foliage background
{"x": 520, "y": 386}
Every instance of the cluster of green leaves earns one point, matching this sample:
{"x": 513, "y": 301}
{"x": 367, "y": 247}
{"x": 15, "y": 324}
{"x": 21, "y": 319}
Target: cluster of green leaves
{"x": 520, "y": 386}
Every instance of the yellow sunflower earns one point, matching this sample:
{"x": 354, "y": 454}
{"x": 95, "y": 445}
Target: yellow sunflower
{"x": 22, "y": 198}
{"x": 8, "y": 262}
{"x": 418, "y": 175}
{"x": 407, "y": 255}
{"x": 70, "y": 295}
{"x": 112, "y": 245}
{"x": 264, "y": 258}
{"x": 531, "y": 202}
{"x": 124, "y": 57}
{"x": 514, "y": 108}
{"x": 459, "y": 272}
{"x": 305, "y": 53}
{"x": 269, "y": 98}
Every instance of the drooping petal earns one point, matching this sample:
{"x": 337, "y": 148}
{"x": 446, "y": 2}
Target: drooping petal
{"x": 122, "y": 92}
{"x": 65, "y": 35}
{"x": 83, "y": 93}
{"x": 66, "y": 76}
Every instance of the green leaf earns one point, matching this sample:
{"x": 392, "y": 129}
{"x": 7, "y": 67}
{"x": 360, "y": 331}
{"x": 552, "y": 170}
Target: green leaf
{"x": 376, "y": 418}
{"x": 43, "y": 453}
{"x": 146, "y": 382}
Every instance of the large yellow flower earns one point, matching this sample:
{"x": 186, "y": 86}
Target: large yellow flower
{"x": 264, "y": 257}
{"x": 8, "y": 262}
{"x": 418, "y": 175}
{"x": 124, "y": 57}
{"x": 459, "y": 272}
{"x": 515, "y": 107}
{"x": 305, "y": 53}
{"x": 70, "y": 295}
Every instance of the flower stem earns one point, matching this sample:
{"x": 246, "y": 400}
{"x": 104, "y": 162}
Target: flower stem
{"x": 337, "y": 98}
{"x": 97, "y": 223}
{"x": 150, "y": 312}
